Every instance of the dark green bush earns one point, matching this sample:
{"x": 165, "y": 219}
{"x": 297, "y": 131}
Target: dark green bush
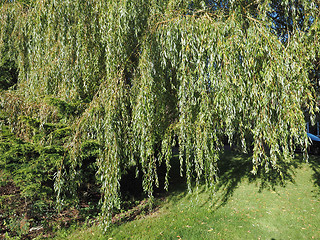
{"x": 29, "y": 165}
{"x": 8, "y": 73}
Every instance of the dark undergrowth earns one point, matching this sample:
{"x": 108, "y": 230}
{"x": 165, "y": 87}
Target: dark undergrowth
{"x": 26, "y": 218}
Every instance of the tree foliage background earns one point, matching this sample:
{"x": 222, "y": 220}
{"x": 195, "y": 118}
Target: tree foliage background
{"x": 133, "y": 78}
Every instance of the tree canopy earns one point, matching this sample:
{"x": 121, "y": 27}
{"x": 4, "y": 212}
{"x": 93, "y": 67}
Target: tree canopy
{"x": 139, "y": 77}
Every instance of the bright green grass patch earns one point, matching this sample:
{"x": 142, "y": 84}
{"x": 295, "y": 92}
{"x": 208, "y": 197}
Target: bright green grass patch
{"x": 240, "y": 209}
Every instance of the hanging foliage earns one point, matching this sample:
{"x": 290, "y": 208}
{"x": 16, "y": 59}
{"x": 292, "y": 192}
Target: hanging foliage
{"x": 150, "y": 75}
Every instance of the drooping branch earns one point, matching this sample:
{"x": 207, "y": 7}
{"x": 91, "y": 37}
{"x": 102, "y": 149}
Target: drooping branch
{"x": 151, "y": 73}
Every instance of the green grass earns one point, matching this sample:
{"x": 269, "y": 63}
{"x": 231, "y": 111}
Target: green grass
{"x": 244, "y": 207}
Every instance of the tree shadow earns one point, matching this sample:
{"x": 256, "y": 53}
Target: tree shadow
{"x": 177, "y": 188}
{"x": 131, "y": 184}
{"x": 235, "y": 167}
{"x": 135, "y": 202}
{"x": 314, "y": 162}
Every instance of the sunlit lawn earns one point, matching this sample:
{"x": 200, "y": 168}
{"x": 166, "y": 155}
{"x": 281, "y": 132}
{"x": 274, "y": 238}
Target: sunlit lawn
{"x": 239, "y": 210}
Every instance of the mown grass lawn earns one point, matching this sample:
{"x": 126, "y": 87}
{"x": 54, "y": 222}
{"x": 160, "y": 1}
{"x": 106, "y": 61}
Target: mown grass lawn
{"x": 244, "y": 207}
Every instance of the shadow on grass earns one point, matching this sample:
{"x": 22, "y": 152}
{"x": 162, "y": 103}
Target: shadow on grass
{"x": 236, "y": 167}
{"x": 314, "y": 162}
{"x": 135, "y": 202}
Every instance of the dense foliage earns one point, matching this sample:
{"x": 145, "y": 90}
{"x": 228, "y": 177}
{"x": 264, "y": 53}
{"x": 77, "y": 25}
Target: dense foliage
{"x": 131, "y": 79}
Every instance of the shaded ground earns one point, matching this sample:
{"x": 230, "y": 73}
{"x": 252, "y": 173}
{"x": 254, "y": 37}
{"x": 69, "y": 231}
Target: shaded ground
{"x": 235, "y": 167}
{"x": 254, "y": 208}
{"x": 16, "y": 217}
{"x": 314, "y": 162}
{"x": 26, "y": 219}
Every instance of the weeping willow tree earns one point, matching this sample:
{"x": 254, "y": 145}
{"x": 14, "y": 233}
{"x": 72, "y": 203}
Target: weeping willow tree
{"x": 156, "y": 74}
